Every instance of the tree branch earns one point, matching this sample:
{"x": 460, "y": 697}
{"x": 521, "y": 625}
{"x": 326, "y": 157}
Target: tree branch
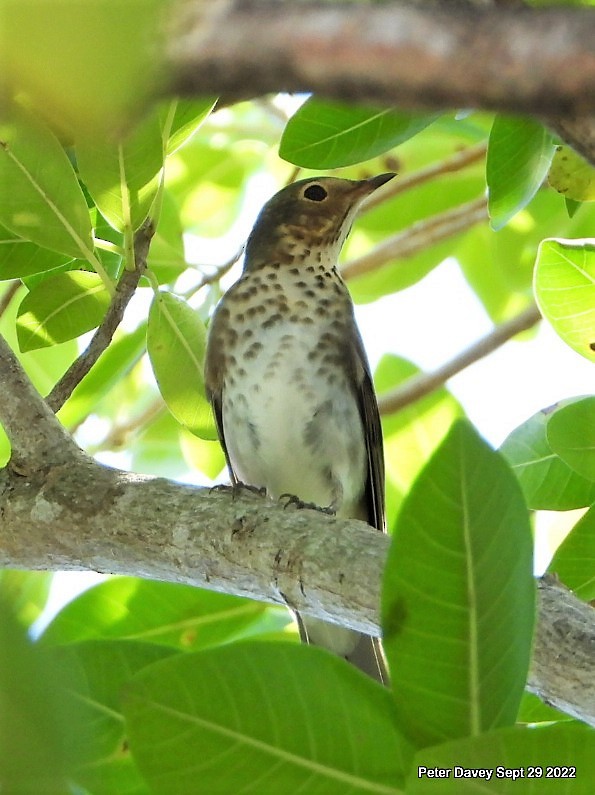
{"x": 421, "y": 385}
{"x": 7, "y": 296}
{"x": 396, "y": 187}
{"x": 70, "y": 512}
{"x": 103, "y": 335}
{"x": 563, "y": 669}
{"x": 526, "y": 60}
{"x": 37, "y": 439}
{"x": 418, "y": 237}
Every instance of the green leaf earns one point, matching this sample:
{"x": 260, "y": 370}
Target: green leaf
{"x": 571, "y": 435}
{"x": 565, "y": 748}
{"x": 565, "y": 291}
{"x": 90, "y": 66}
{"x": 166, "y": 613}
{"x": 61, "y": 308}
{"x": 571, "y": 175}
{"x": 155, "y": 449}
{"x": 574, "y": 561}
{"x": 548, "y": 483}
{"x": 20, "y": 258}
{"x": 412, "y": 434}
{"x": 520, "y": 151}
{"x": 26, "y": 592}
{"x": 99, "y": 670}
{"x": 123, "y": 177}
{"x": 263, "y": 718}
{"x": 33, "y": 719}
{"x": 459, "y": 597}
{"x": 176, "y": 342}
{"x": 111, "y": 367}
{"x": 44, "y": 203}
{"x": 534, "y": 710}
{"x": 167, "y": 257}
{"x": 324, "y": 134}
{"x": 189, "y": 114}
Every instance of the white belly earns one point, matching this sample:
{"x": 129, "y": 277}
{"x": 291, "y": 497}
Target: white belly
{"x": 289, "y": 429}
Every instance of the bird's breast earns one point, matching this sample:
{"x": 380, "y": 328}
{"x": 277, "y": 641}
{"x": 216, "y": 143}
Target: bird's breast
{"x": 290, "y": 415}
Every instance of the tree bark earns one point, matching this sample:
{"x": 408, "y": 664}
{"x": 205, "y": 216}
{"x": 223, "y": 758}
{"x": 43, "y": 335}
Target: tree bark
{"x": 454, "y": 55}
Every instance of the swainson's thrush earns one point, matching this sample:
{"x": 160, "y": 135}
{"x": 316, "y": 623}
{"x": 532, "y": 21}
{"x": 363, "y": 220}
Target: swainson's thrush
{"x": 289, "y": 380}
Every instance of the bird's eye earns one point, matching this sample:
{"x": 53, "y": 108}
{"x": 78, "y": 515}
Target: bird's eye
{"x": 315, "y": 193}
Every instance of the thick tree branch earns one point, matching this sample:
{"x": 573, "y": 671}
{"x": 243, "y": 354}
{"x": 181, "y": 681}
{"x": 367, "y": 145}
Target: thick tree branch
{"x": 528, "y": 60}
{"x": 563, "y": 670}
{"x": 62, "y": 510}
{"x": 37, "y": 439}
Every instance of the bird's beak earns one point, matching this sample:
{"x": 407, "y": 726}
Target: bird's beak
{"x": 365, "y": 187}
{"x": 377, "y": 182}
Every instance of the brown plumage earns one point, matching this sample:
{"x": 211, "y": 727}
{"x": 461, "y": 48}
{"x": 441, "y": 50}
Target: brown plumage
{"x": 289, "y": 380}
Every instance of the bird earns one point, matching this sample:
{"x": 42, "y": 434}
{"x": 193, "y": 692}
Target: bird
{"x": 289, "y": 381}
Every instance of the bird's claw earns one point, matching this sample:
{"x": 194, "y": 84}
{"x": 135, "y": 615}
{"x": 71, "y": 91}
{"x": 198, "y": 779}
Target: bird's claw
{"x": 291, "y": 499}
{"x": 237, "y": 488}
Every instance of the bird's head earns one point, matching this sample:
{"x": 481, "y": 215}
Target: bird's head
{"x": 309, "y": 215}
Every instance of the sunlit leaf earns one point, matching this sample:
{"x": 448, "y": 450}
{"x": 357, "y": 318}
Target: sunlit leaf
{"x": 324, "y": 134}
{"x": 189, "y": 114}
{"x": 574, "y": 561}
{"x": 123, "y": 176}
{"x": 459, "y": 596}
{"x": 571, "y": 175}
{"x": 44, "y": 203}
{"x": 296, "y": 718}
{"x": 166, "y": 255}
{"x": 534, "y": 710}
{"x": 571, "y": 435}
{"x": 20, "y": 258}
{"x": 565, "y": 291}
{"x": 548, "y": 483}
{"x": 89, "y": 66}
{"x": 176, "y": 342}
{"x": 156, "y": 612}
{"x": 520, "y": 151}
{"x": 61, "y": 308}
{"x": 412, "y": 434}
{"x": 111, "y": 367}
{"x": 26, "y": 591}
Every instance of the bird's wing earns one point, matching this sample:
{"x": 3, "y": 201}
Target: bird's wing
{"x": 216, "y": 401}
{"x": 368, "y": 409}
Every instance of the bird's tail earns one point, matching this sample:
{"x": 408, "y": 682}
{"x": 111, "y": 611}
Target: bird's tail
{"x": 363, "y": 651}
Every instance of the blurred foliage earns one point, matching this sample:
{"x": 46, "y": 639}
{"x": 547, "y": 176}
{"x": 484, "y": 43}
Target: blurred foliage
{"x": 146, "y": 687}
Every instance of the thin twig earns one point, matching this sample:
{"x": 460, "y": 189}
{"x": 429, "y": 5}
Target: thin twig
{"x": 103, "y": 336}
{"x": 7, "y": 297}
{"x": 118, "y": 435}
{"x": 396, "y": 187}
{"x": 421, "y": 385}
{"x": 418, "y": 237}
{"x": 216, "y": 275}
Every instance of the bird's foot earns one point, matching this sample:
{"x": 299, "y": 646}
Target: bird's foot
{"x": 237, "y": 488}
{"x": 291, "y": 499}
